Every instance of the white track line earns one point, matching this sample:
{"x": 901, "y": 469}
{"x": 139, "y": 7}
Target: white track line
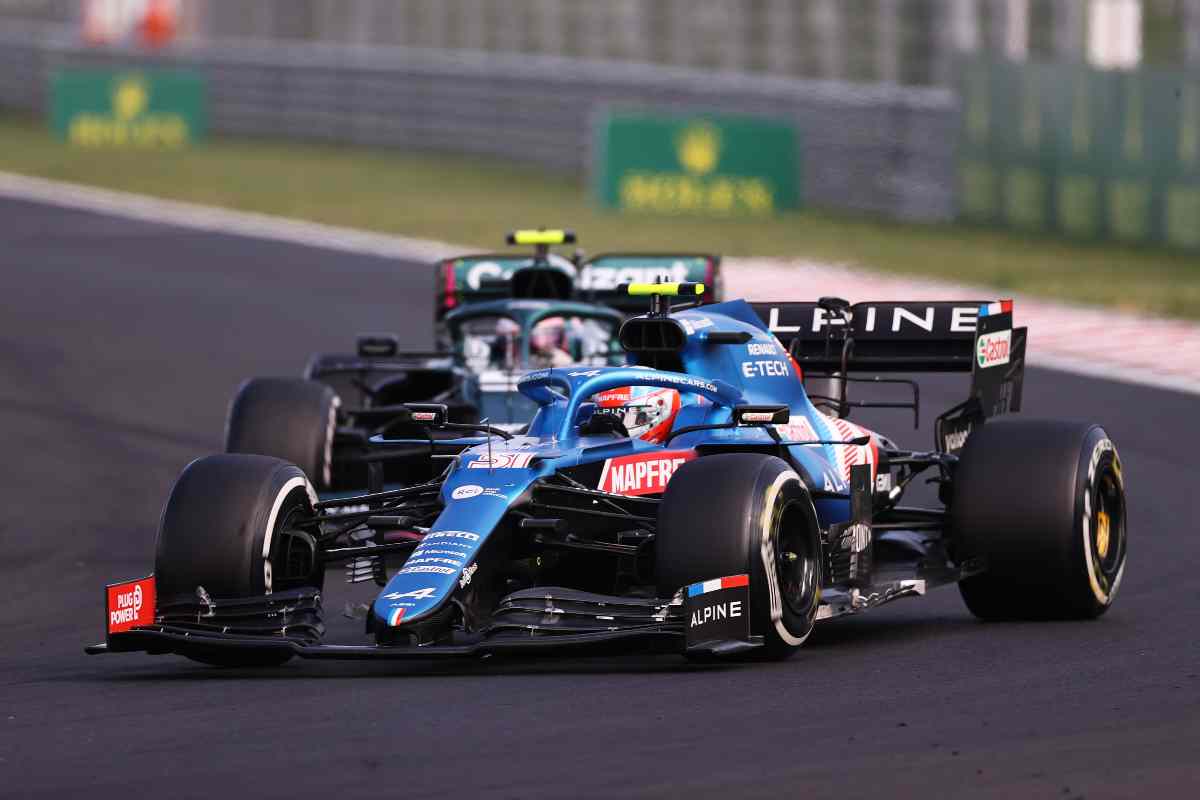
{"x": 221, "y": 220}
{"x": 1103, "y": 343}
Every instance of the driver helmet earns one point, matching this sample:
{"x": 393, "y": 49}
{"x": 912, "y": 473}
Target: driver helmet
{"x": 548, "y": 344}
{"x": 647, "y": 412}
{"x": 548, "y": 334}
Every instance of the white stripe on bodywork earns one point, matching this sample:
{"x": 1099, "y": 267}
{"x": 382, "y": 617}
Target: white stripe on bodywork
{"x": 604, "y": 473}
{"x": 850, "y": 455}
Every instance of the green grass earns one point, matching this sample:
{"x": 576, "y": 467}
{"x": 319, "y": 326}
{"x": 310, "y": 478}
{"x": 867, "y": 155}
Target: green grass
{"x": 474, "y": 201}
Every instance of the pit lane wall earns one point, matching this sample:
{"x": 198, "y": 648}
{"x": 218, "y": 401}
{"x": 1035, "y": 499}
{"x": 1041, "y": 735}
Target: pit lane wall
{"x": 887, "y": 150}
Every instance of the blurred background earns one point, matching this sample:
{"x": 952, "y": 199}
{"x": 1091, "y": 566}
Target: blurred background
{"x": 911, "y": 42}
{"x": 1049, "y": 146}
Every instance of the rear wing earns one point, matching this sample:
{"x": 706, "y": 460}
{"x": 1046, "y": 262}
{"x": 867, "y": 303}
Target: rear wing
{"x": 883, "y": 337}
{"x": 479, "y": 277}
{"x": 832, "y": 337}
{"x": 475, "y": 278}
{"x": 601, "y": 277}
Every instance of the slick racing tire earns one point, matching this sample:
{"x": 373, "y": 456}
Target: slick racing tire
{"x": 288, "y": 418}
{"x": 230, "y": 527}
{"x": 745, "y": 513}
{"x": 1041, "y": 504}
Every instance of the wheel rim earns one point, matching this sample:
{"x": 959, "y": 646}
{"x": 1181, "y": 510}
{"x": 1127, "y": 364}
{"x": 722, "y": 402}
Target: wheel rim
{"x": 1107, "y": 539}
{"x": 796, "y": 559}
{"x": 295, "y": 551}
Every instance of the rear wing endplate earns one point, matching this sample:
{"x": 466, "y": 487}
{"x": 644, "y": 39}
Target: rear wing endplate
{"x": 997, "y": 378}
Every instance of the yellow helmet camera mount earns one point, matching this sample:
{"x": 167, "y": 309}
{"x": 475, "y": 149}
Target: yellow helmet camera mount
{"x": 542, "y": 239}
{"x": 660, "y": 305}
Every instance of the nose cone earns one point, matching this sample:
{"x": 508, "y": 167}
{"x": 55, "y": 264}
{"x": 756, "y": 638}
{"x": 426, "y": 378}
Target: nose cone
{"x": 477, "y": 495}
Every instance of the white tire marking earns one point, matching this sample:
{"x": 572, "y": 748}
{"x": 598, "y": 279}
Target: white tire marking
{"x": 1103, "y": 446}
{"x": 767, "y": 551}
{"x": 327, "y": 456}
{"x": 284, "y": 491}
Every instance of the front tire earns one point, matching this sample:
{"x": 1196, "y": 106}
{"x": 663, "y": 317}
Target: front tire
{"x": 1042, "y": 504}
{"x": 745, "y": 513}
{"x": 289, "y": 418}
{"x": 229, "y": 526}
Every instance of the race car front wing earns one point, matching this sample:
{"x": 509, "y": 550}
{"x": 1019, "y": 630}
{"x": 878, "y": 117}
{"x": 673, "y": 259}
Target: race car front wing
{"x": 530, "y": 620}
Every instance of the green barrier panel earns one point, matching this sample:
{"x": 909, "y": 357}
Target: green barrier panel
{"x": 711, "y": 164}
{"x": 127, "y": 108}
{"x": 1089, "y": 154}
{"x": 1080, "y": 144}
{"x": 1179, "y": 178}
{"x": 1007, "y": 149}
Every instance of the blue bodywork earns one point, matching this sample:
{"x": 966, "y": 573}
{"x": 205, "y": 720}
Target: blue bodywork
{"x": 716, "y": 376}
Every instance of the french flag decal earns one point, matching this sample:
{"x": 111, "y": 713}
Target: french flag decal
{"x": 395, "y": 617}
{"x": 1003, "y": 307}
{"x": 716, "y": 584}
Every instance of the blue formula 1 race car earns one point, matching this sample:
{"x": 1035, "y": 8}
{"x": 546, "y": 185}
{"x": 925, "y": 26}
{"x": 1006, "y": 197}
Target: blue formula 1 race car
{"x": 756, "y": 515}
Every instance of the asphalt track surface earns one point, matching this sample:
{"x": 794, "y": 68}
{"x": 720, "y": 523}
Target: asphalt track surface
{"x": 120, "y": 345}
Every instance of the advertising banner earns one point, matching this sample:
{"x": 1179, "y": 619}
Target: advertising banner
{"x": 711, "y": 164}
{"x": 127, "y": 108}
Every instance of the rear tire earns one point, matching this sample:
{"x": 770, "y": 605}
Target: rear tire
{"x": 1042, "y": 503}
{"x": 288, "y": 418}
{"x": 745, "y": 513}
{"x": 227, "y": 527}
